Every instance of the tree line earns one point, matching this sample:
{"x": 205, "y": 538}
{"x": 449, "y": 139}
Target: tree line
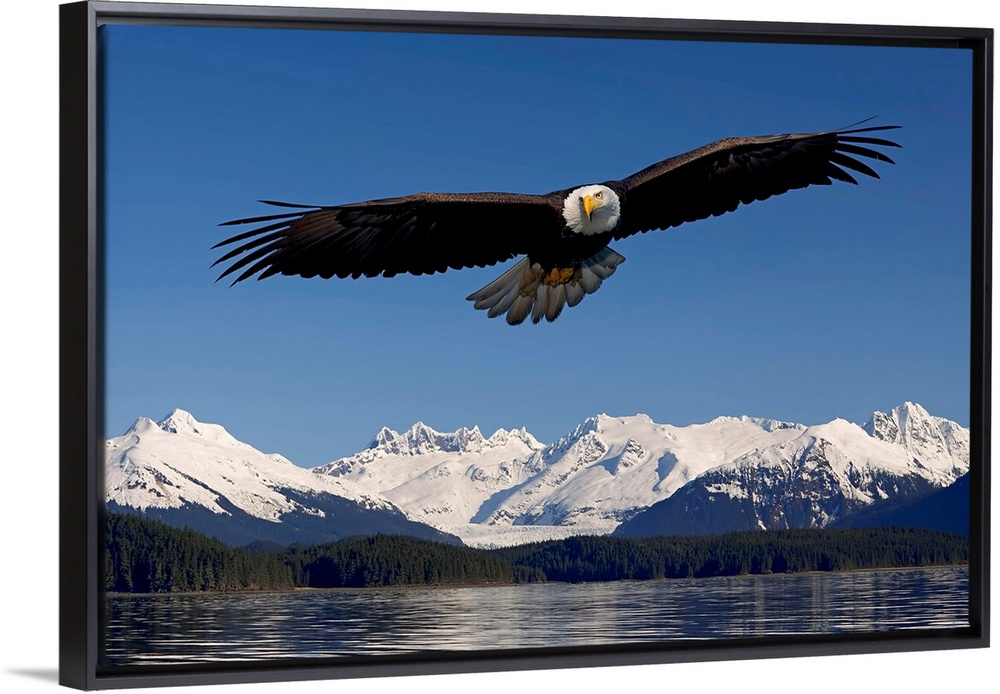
{"x": 148, "y": 556}
{"x": 391, "y": 560}
{"x": 607, "y": 558}
{"x": 143, "y": 555}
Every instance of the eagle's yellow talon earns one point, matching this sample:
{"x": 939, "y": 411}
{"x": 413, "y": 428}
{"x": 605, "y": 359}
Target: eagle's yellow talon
{"x": 558, "y": 276}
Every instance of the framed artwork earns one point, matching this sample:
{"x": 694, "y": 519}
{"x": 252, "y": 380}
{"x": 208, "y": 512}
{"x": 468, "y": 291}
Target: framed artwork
{"x": 418, "y": 343}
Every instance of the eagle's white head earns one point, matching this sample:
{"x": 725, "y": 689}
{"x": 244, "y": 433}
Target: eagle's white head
{"x": 592, "y": 209}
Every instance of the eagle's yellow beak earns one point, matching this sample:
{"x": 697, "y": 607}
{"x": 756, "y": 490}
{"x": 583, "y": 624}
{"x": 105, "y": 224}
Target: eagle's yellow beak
{"x": 588, "y": 205}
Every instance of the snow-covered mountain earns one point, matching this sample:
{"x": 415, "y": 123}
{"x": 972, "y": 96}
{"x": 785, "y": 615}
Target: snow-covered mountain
{"x": 934, "y": 441}
{"x": 605, "y": 470}
{"x": 819, "y": 477}
{"x": 726, "y": 474}
{"x": 191, "y": 473}
{"x": 609, "y": 468}
{"x": 625, "y": 474}
{"x": 441, "y": 479}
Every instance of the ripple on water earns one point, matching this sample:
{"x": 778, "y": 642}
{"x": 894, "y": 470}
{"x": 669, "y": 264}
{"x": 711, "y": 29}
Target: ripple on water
{"x": 305, "y": 624}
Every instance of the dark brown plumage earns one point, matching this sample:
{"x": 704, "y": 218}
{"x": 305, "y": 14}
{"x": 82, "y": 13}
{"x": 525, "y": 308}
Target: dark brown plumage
{"x": 565, "y": 246}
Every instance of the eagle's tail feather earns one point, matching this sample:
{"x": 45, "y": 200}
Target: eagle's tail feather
{"x": 525, "y": 289}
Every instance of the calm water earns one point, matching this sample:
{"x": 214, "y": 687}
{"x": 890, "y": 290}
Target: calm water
{"x": 190, "y": 628}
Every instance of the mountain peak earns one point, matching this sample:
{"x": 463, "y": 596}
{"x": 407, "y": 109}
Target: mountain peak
{"x": 383, "y": 437}
{"x": 910, "y": 409}
{"x": 934, "y": 441}
{"x": 769, "y": 425}
{"x": 603, "y": 422}
{"x": 421, "y": 439}
{"x": 179, "y": 420}
{"x": 184, "y": 423}
{"x": 141, "y": 424}
{"x": 420, "y": 436}
{"x": 469, "y": 439}
{"x": 501, "y": 436}
{"x": 894, "y": 425}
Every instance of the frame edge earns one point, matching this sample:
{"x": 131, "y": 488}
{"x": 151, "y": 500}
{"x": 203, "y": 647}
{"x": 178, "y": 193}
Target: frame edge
{"x": 77, "y": 346}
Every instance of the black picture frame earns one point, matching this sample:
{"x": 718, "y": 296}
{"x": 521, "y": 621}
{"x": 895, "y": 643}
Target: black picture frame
{"x": 81, "y": 346}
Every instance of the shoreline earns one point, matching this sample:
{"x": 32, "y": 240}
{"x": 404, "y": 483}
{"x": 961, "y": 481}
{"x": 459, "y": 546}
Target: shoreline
{"x": 445, "y": 586}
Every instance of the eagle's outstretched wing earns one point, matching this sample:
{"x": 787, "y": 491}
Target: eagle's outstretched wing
{"x": 417, "y": 234}
{"x": 566, "y": 258}
{"x": 718, "y": 177}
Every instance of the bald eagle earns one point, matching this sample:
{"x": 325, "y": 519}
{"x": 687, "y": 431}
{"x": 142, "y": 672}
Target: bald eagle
{"x": 563, "y": 235}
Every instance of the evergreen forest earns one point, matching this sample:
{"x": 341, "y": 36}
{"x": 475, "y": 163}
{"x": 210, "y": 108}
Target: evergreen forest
{"x": 147, "y": 556}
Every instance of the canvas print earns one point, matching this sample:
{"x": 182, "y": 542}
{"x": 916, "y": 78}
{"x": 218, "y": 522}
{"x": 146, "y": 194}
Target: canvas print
{"x": 434, "y": 342}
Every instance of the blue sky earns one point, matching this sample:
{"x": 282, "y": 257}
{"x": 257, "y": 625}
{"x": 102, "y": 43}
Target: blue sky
{"x": 823, "y": 303}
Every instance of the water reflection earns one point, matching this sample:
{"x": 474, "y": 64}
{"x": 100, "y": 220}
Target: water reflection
{"x": 206, "y": 627}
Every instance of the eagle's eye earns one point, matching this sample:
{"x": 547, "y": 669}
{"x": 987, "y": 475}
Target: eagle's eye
{"x": 599, "y": 194}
